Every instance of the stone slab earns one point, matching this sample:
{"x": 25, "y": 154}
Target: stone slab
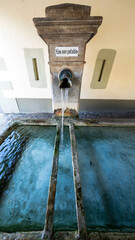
{"x": 68, "y": 11}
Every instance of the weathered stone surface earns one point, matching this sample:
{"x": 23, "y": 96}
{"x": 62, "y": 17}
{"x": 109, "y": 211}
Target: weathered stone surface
{"x": 67, "y": 25}
{"x": 21, "y": 236}
{"x": 67, "y": 236}
{"x": 74, "y": 91}
{"x": 68, "y": 11}
{"x": 82, "y": 230}
{"x": 67, "y": 113}
{"x": 48, "y": 231}
{"x": 117, "y": 236}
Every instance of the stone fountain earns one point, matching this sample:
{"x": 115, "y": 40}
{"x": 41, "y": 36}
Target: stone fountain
{"x": 66, "y": 29}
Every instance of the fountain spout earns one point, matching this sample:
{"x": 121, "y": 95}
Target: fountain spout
{"x": 65, "y": 78}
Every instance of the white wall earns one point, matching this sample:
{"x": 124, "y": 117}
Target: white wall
{"x": 117, "y": 32}
{"x": 17, "y": 32}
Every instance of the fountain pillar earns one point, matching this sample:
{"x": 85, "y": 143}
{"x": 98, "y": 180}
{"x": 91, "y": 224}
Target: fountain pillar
{"x": 66, "y": 29}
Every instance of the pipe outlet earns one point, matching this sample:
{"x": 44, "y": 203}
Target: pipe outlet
{"x": 65, "y": 78}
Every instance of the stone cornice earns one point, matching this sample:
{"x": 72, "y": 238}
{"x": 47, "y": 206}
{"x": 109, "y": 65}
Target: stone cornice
{"x": 48, "y": 28}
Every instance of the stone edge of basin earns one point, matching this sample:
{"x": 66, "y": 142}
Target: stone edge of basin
{"x": 68, "y": 236}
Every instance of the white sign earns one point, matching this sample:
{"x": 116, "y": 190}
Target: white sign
{"x": 66, "y": 51}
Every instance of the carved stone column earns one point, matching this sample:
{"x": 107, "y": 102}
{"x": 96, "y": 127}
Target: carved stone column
{"x": 66, "y": 29}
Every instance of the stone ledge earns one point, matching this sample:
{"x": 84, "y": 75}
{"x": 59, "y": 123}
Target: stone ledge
{"x": 68, "y": 236}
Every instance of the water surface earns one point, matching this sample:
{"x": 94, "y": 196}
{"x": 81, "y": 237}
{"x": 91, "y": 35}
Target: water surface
{"x": 65, "y": 210}
{"x": 24, "y": 199}
{"x": 107, "y": 168}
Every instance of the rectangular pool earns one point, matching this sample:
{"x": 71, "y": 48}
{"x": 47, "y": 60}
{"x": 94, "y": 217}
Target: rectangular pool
{"x": 25, "y": 166}
{"x": 107, "y": 168}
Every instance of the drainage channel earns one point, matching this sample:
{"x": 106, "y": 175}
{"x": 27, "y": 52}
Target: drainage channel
{"x": 48, "y": 230}
{"x": 82, "y": 230}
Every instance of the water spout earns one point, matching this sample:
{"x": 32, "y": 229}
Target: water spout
{"x": 65, "y": 78}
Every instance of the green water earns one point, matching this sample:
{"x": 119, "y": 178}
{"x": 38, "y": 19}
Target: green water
{"x": 65, "y": 210}
{"x": 24, "y": 198}
{"x": 107, "y": 169}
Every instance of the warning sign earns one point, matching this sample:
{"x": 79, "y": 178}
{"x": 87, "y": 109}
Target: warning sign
{"x": 66, "y": 51}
